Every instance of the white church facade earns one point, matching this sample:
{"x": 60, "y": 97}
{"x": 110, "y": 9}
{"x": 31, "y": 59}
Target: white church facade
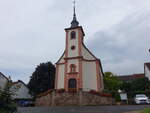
{"x": 78, "y": 68}
{"x": 79, "y": 75}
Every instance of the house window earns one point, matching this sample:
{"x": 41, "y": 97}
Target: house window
{"x": 73, "y": 35}
{"x": 72, "y": 68}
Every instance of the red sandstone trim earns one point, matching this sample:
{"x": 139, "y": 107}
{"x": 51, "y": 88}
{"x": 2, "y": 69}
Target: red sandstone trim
{"x": 65, "y": 76}
{"x": 56, "y": 79}
{"x": 80, "y": 73}
{"x": 80, "y": 81}
{"x": 67, "y": 33}
{"x": 73, "y": 73}
{"x": 81, "y": 57}
{"x": 66, "y": 63}
{"x": 60, "y": 63}
{"x": 89, "y": 60}
{"x": 71, "y": 67}
{"x": 73, "y": 76}
{"x": 79, "y": 42}
{"x": 73, "y": 57}
{"x": 98, "y": 75}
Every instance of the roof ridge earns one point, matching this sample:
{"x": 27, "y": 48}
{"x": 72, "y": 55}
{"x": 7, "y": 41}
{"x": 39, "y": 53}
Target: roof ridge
{"x": 3, "y": 75}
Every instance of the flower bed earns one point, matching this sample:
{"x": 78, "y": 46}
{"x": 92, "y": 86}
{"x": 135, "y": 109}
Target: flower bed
{"x": 100, "y": 93}
{"x": 60, "y": 90}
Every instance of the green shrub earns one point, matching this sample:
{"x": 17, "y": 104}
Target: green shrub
{"x": 7, "y": 105}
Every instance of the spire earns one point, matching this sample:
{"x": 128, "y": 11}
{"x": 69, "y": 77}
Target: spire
{"x": 74, "y": 22}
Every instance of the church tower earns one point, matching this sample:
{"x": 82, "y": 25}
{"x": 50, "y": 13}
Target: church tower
{"x": 78, "y": 69}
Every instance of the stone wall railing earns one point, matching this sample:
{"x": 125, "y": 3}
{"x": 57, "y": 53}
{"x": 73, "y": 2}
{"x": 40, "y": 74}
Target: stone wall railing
{"x": 69, "y": 99}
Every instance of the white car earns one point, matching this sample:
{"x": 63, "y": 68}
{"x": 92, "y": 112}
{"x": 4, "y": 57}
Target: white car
{"x": 141, "y": 99}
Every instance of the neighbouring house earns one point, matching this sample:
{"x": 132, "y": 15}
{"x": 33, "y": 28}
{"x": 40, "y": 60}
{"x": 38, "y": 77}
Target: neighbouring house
{"x": 3, "y": 80}
{"x": 20, "y": 90}
{"x": 128, "y": 78}
{"x": 147, "y": 70}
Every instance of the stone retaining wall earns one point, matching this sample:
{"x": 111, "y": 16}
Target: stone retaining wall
{"x": 70, "y": 99}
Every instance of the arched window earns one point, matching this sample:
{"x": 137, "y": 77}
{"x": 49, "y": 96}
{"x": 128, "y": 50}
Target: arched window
{"x": 73, "y": 35}
{"x": 72, "y": 68}
{"x": 72, "y": 83}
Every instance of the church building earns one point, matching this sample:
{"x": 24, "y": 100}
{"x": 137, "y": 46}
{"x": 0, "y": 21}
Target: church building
{"x": 78, "y": 69}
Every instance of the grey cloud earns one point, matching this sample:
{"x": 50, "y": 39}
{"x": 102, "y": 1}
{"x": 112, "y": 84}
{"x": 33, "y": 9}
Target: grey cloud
{"x": 32, "y": 31}
{"x": 124, "y": 47}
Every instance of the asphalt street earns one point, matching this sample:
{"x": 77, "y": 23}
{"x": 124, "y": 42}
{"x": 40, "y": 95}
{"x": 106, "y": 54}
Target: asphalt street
{"x": 83, "y": 109}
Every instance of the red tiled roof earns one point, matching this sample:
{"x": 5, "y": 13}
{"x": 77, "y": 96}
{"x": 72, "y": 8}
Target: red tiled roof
{"x": 138, "y": 75}
{"x": 130, "y": 77}
{"x": 125, "y": 78}
{"x": 19, "y": 81}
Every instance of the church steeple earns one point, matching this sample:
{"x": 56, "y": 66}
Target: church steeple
{"x": 74, "y": 22}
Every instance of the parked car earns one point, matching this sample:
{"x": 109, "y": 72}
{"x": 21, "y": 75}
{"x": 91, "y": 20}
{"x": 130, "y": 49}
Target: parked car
{"x": 25, "y": 103}
{"x": 28, "y": 103}
{"x": 141, "y": 99}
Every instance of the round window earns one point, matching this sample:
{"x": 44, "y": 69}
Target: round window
{"x": 73, "y": 47}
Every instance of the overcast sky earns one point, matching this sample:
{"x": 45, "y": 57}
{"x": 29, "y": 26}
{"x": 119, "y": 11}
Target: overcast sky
{"x": 32, "y": 32}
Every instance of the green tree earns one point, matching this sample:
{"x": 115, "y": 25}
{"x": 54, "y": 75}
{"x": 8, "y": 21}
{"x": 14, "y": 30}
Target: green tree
{"x": 7, "y": 105}
{"x": 127, "y": 87}
{"x": 42, "y": 79}
{"x": 112, "y": 84}
{"x": 140, "y": 85}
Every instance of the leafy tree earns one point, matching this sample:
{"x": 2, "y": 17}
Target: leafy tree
{"x": 140, "y": 85}
{"x": 112, "y": 85}
{"x": 111, "y": 82}
{"x": 127, "y": 87}
{"x": 7, "y": 105}
{"x": 42, "y": 78}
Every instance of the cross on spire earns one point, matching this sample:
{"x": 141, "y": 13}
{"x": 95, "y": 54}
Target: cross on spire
{"x": 74, "y": 22}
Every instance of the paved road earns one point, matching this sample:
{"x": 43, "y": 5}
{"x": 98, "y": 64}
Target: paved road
{"x": 83, "y": 109}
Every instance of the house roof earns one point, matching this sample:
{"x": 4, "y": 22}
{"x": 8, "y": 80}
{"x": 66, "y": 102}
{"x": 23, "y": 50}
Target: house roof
{"x": 148, "y": 65}
{"x": 19, "y": 81}
{"x": 131, "y": 77}
{"x": 3, "y": 75}
{"x": 125, "y": 78}
{"x": 139, "y": 75}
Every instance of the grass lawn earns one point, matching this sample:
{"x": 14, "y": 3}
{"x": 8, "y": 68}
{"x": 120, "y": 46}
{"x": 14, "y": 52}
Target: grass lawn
{"x": 147, "y": 110}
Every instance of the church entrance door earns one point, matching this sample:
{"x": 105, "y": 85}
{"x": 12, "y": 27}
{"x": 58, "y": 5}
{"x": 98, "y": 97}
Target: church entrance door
{"x": 72, "y": 85}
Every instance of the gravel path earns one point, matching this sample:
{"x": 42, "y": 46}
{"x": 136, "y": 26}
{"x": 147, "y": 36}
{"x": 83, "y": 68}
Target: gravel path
{"x": 83, "y": 109}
